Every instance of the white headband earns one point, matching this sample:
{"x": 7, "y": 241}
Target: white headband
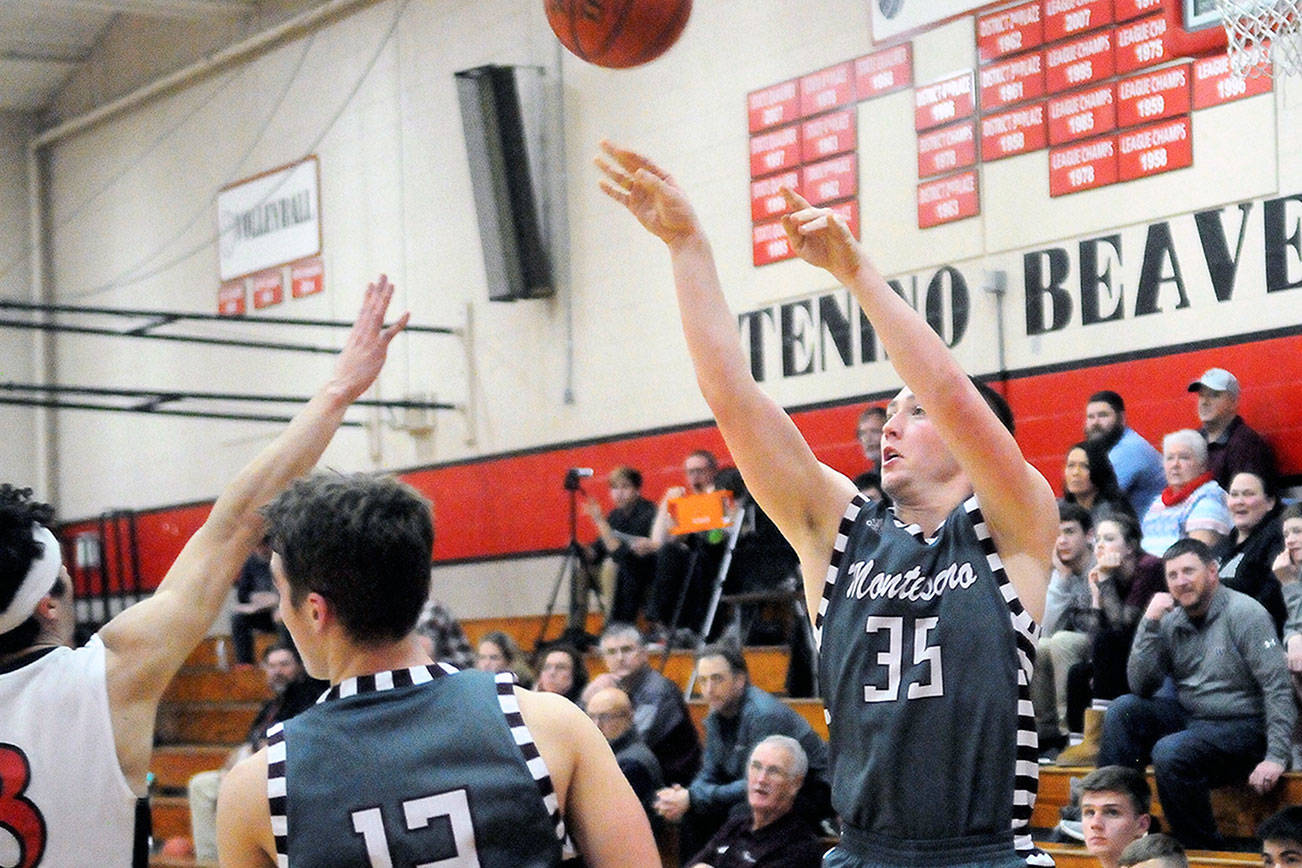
{"x": 36, "y": 584}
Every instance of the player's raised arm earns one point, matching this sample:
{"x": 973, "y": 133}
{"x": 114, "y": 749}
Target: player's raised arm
{"x": 803, "y": 497}
{"x": 1017, "y": 501}
{"x": 147, "y": 643}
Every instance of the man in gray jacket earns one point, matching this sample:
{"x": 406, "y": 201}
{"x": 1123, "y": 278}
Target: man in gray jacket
{"x": 1232, "y": 714}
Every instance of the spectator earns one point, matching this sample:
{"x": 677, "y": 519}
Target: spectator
{"x": 1281, "y": 838}
{"x": 1233, "y": 703}
{"x": 440, "y": 634}
{"x": 1246, "y": 555}
{"x": 1287, "y": 568}
{"x": 1154, "y": 851}
{"x": 1123, "y": 580}
{"x": 1114, "y": 811}
{"x": 1192, "y": 504}
{"x": 612, "y": 712}
{"x": 561, "y": 670}
{"x": 659, "y": 712}
{"x": 255, "y": 603}
{"x": 625, "y": 538}
{"x": 1231, "y": 445}
{"x": 498, "y": 652}
{"x": 770, "y": 834}
{"x": 294, "y": 692}
{"x": 1068, "y": 622}
{"x": 1088, "y": 479}
{"x": 869, "y": 433}
{"x": 740, "y": 716}
{"x": 686, "y": 566}
{"x": 1137, "y": 464}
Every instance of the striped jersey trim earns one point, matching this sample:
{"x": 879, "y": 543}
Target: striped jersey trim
{"x": 276, "y": 792}
{"x": 524, "y": 739}
{"x": 851, "y": 513}
{"x": 1027, "y": 632}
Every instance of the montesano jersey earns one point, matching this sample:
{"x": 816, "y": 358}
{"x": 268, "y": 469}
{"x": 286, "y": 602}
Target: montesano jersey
{"x": 420, "y": 766}
{"x": 63, "y": 799}
{"x": 925, "y": 658}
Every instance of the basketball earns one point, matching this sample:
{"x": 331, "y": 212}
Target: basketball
{"x": 618, "y": 34}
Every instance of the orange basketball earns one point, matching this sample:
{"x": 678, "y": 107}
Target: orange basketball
{"x": 618, "y": 33}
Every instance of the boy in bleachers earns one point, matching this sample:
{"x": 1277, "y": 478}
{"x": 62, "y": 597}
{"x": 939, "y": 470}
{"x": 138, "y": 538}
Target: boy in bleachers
{"x": 1281, "y": 838}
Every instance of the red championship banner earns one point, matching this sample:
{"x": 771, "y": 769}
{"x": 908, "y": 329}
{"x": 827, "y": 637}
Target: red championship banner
{"x": 944, "y": 101}
{"x": 1152, "y": 150}
{"x": 268, "y": 288}
{"x": 946, "y": 149}
{"x": 766, "y": 201}
{"x": 884, "y": 71}
{"x": 1079, "y": 62}
{"x": 775, "y": 151}
{"x": 306, "y": 277}
{"x": 1213, "y": 84}
{"x": 826, "y": 135}
{"x": 837, "y": 178}
{"x": 1019, "y": 131}
{"x": 768, "y": 242}
{"x": 827, "y": 89}
{"x": 1143, "y": 43}
{"x": 1011, "y": 81}
{"x": 947, "y": 200}
{"x": 1124, "y": 10}
{"x": 1009, "y": 31}
{"x": 1064, "y": 18}
{"x": 1082, "y": 114}
{"x": 1082, "y": 167}
{"x": 773, "y": 106}
{"x": 1154, "y": 95}
{"x": 230, "y": 298}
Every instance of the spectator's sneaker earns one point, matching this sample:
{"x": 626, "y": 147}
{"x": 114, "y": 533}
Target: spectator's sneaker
{"x": 1072, "y": 829}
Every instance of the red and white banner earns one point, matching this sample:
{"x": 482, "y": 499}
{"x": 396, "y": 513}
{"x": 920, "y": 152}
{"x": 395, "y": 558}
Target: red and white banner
{"x": 1156, "y": 149}
{"x": 1065, "y": 18}
{"x": 947, "y": 200}
{"x": 1152, "y": 96}
{"x": 1019, "y": 131}
{"x": 268, "y": 288}
{"x": 1079, "y": 62}
{"x": 837, "y": 178}
{"x": 828, "y": 135}
{"x": 1009, "y": 31}
{"x": 1213, "y": 84}
{"x": 946, "y": 149}
{"x": 766, "y": 202}
{"x": 231, "y": 298}
{"x": 884, "y": 71}
{"x": 774, "y": 151}
{"x": 1082, "y": 167}
{"x": 773, "y": 106}
{"x": 827, "y": 89}
{"x": 1143, "y": 43}
{"x": 306, "y": 277}
{"x": 1082, "y": 114}
{"x": 944, "y": 101}
{"x": 1012, "y": 81}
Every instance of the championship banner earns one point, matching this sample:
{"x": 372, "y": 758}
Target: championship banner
{"x": 269, "y": 220}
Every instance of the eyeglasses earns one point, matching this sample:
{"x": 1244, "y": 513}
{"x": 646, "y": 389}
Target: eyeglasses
{"x": 759, "y": 768}
{"x": 616, "y": 651}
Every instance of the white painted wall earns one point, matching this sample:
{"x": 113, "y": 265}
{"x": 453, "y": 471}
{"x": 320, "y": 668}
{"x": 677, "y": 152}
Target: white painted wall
{"x": 134, "y": 216}
{"x": 17, "y": 424}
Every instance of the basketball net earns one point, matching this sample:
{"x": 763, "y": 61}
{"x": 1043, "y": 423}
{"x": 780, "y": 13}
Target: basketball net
{"x": 1264, "y": 36}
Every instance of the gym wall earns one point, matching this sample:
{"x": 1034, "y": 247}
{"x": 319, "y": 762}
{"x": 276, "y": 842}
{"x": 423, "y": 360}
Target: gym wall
{"x": 396, "y": 197}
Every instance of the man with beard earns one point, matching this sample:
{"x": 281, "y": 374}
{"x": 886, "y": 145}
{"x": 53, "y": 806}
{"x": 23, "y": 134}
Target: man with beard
{"x": 1137, "y": 464}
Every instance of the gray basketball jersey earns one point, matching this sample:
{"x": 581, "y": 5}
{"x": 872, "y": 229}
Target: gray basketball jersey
{"x": 925, "y": 658}
{"x": 420, "y": 766}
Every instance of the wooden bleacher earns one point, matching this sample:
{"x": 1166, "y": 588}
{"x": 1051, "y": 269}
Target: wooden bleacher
{"x": 207, "y": 710}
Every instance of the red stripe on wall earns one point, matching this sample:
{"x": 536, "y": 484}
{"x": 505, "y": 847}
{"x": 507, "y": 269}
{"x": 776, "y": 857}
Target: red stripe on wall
{"x": 516, "y": 504}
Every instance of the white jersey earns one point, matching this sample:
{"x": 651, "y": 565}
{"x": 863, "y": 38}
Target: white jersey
{"x": 64, "y": 802}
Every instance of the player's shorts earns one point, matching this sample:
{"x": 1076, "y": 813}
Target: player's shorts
{"x": 859, "y": 849}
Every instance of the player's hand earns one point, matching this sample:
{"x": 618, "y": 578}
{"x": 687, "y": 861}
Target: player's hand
{"x": 1265, "y": 776}
{"x": 672, "y": 802}
{"x": 648, "y": 192}
{"x": 367, "y": 344}
{"x": 821, "y": 237}
{"x": 593, "y": 509}
{"x": 1161, "y": 603}
{"x": 642, "y": 546}
{"x": 1293, "y": 653}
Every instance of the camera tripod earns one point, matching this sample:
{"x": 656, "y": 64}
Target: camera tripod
{"x": 578, "y": 573}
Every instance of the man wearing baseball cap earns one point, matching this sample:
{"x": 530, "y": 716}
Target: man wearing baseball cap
{"x": 1232, "y": 447}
